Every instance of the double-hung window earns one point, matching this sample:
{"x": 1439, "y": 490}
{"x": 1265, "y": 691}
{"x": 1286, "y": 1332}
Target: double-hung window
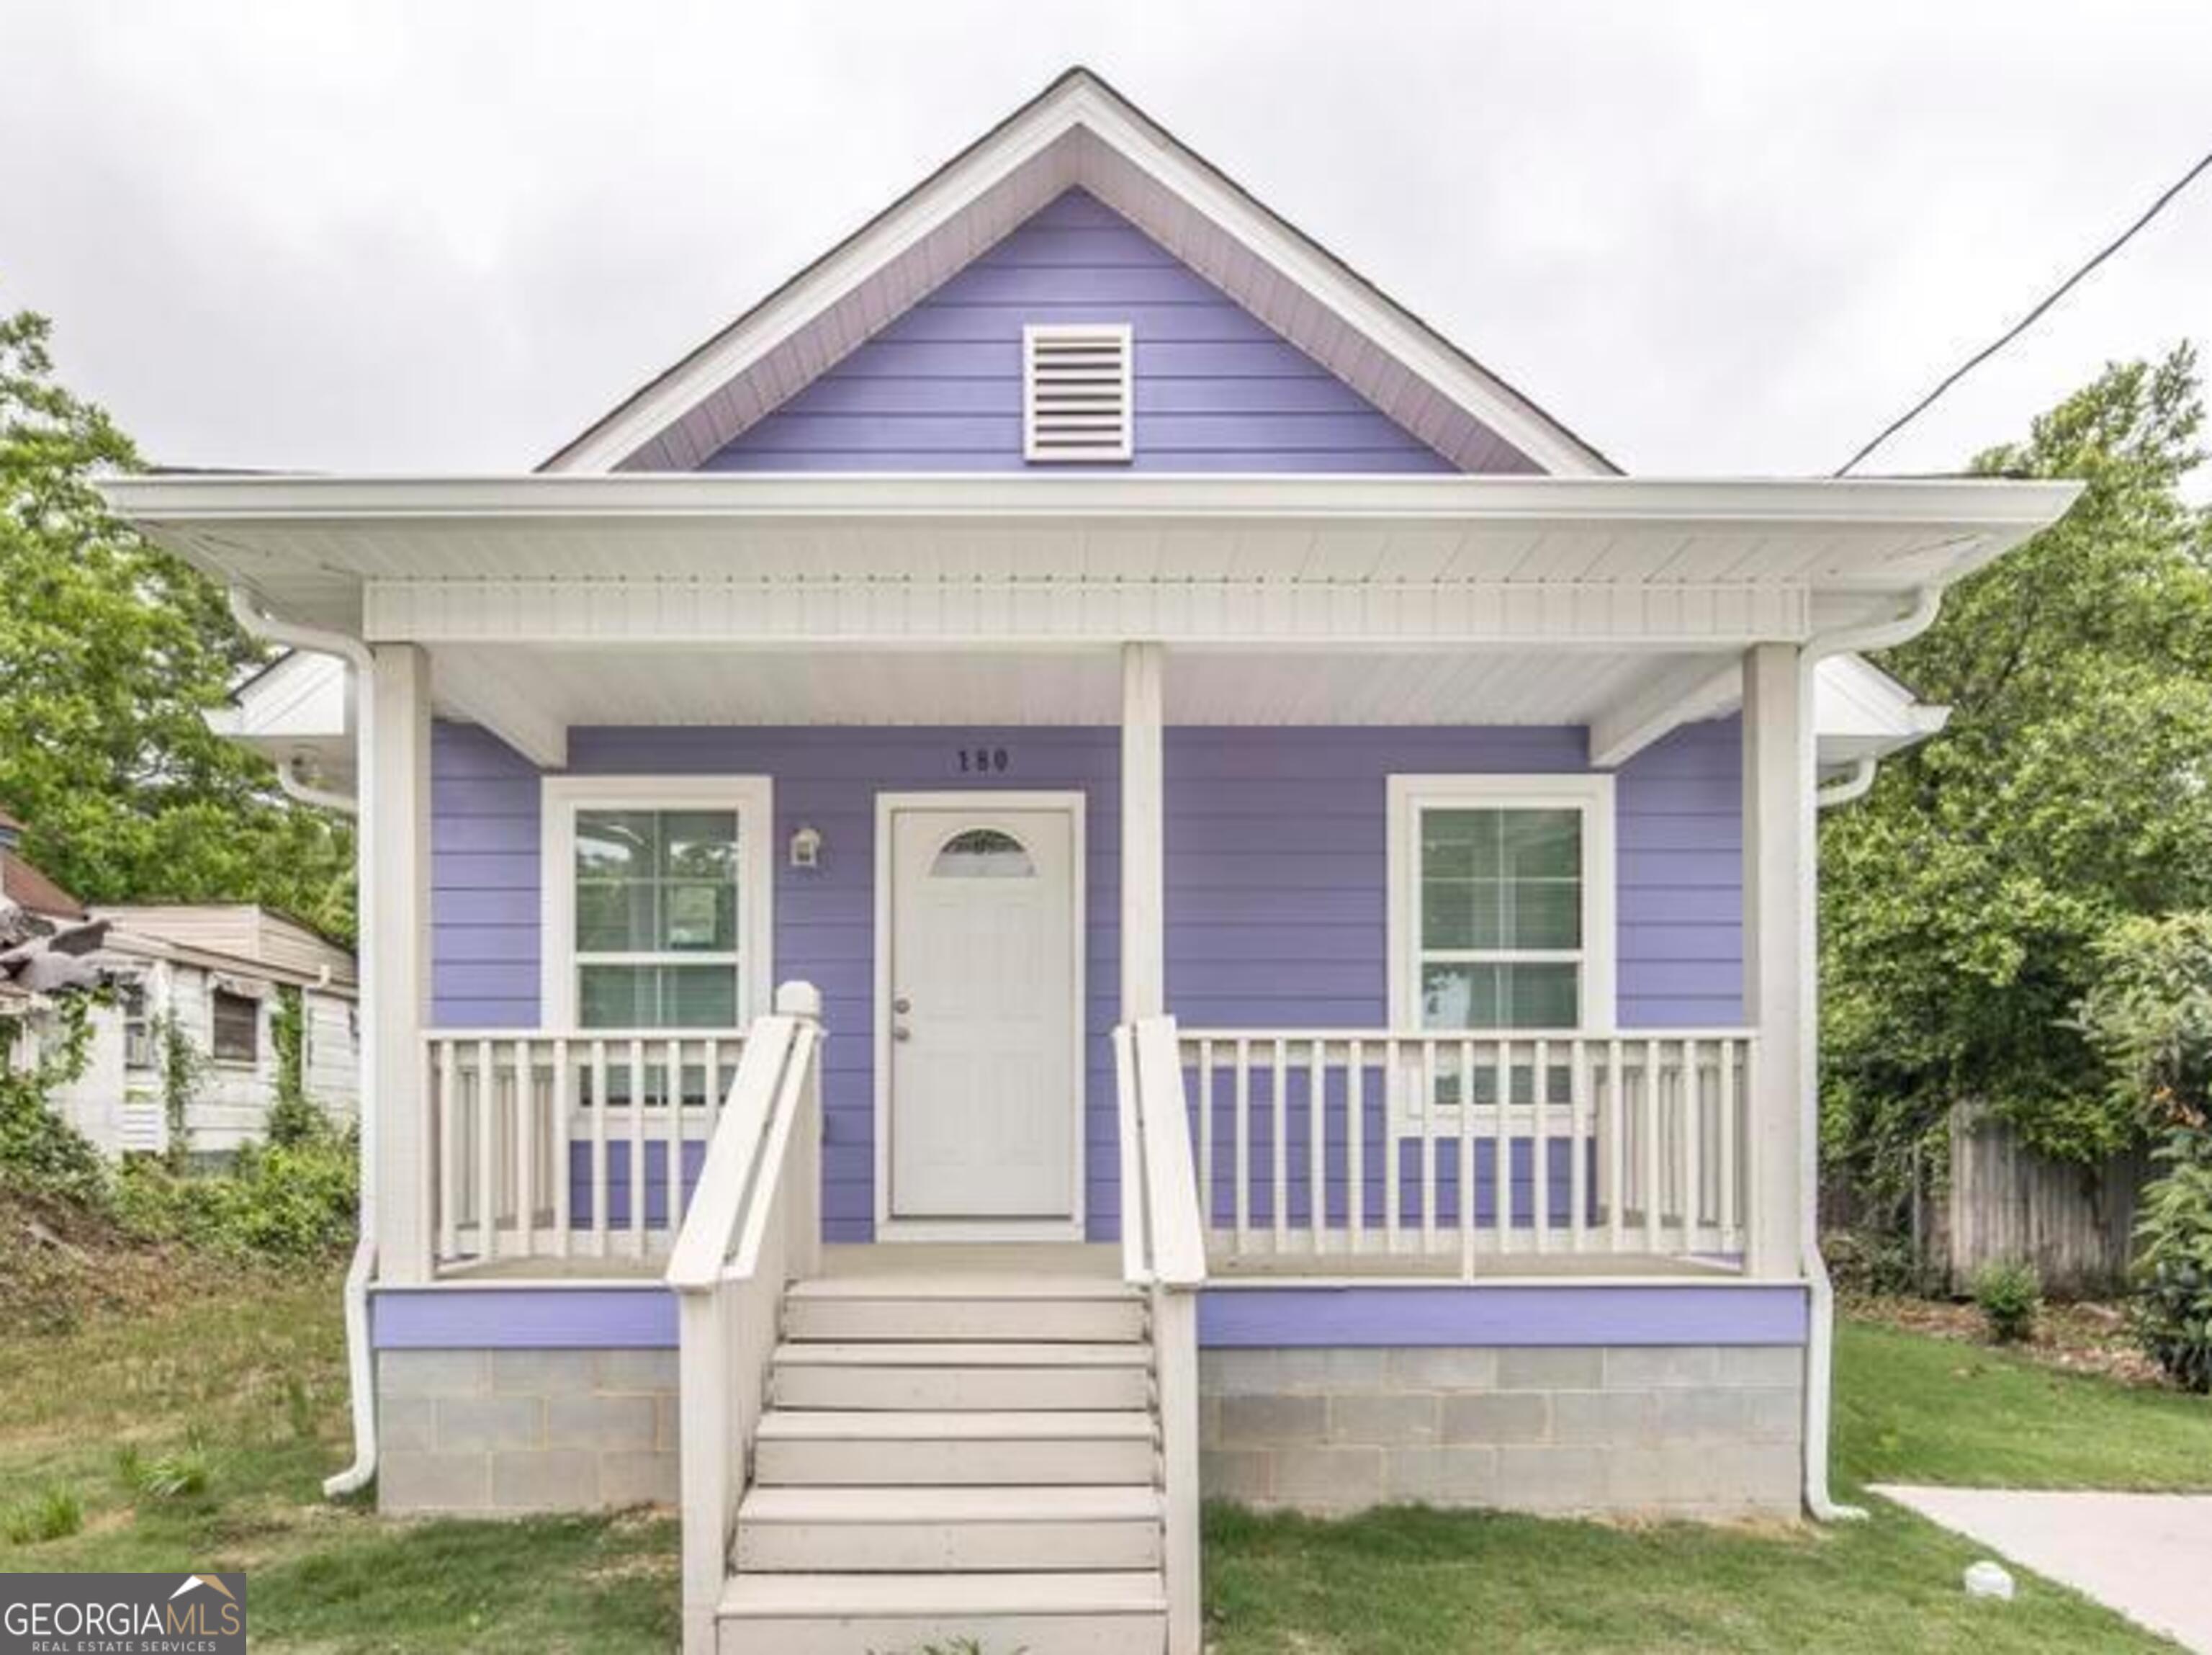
{"x": 1501, "y": 909}
{"x": 656, "y": 901}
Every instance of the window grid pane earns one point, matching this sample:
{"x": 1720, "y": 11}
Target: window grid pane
{"x": 650, "y": 884}
{"x": 1496, "y": 883}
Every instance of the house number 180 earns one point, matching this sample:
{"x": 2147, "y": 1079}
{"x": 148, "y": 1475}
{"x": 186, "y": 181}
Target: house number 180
{"x": 983, "y": 761}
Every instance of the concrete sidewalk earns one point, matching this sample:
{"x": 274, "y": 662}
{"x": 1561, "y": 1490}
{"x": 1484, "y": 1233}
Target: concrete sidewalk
{"x": 2148, "y": 1556}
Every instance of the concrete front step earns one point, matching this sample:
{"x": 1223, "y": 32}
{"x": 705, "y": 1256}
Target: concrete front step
{"x": 914, "y": 1531}
{"x": 1068, "y": 1447}
{"x": 1104, "y": 1613}
{"x": 930, "y": 1375}
{"x": 848, "y": 1311}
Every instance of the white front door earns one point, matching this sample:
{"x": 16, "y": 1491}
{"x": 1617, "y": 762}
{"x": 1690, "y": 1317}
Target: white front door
{"x": 982, "y": 1027}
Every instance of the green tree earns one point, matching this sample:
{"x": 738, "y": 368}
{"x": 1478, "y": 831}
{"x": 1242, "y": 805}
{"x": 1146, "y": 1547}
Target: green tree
{"x": 1963, "y": 903}
{"x": 111, "y": 650}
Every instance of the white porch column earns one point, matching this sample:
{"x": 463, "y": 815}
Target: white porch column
{"x": 395, "y": 836}
{"x": 1778, "y": 962}
{"x": 1144, "y": 838}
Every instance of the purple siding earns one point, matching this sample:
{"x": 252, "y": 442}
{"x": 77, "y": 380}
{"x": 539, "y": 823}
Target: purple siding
{"x": 641, "y": 1317}
{"x": 939, "y": 389}
{"x": 644, "y": 1318}
{"x": 1276, "y": 890}
{"x": 826, "y": 919}
{"x": 484, "y": 817}
{"x": 1479, "y": 1316}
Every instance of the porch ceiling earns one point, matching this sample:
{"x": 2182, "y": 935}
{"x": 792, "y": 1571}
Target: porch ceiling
{"x": 571, "y": 686}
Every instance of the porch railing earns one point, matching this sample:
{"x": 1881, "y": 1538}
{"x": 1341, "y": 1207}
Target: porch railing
{"x": 755, "y": 1226}
{"x": 1314, "y": 1144}
{"x": 1163, "y": 1252}
{"x": 548, "y": 1144}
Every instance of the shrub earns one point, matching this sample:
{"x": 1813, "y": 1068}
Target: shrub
{"x": 2010, "y": 1295}
{"x": 52, "y": 1514}
{"x": 1866, "y": 1264}
{"x": 2171, "y": 1311}
{"x": 283, "y": 1201}
{"x": 39, "y": 1151}
{"x": 293, "y": 1118}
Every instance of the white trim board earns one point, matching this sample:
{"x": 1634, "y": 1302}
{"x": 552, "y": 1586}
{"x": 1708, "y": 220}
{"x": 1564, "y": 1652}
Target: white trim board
{"x": 1592, "y": 795}
{"x": 753, "y": 797}
{"x": 1076, "y": 804}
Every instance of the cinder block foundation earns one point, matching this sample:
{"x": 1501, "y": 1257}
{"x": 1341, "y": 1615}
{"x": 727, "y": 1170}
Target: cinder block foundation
{"x": 487, "y": 1432}
{"x": 1698, "y": 1431}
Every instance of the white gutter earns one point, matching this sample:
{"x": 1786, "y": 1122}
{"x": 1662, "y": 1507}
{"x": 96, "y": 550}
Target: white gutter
{"x": 292, "y": 777}
{"x": 1847, "y": 789}
{"x": 361, "y": 1371}
{"x": 1821, "y": 1294}
{"x": 1955, "y": 507}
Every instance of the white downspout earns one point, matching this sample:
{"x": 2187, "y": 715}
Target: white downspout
{"x": 1820, "y": 1296}
{"x": 361, "y": 1368}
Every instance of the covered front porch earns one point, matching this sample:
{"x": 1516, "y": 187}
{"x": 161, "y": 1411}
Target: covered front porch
{"x": 1382, "y": 1071}
{"x": 1462, "y": 824}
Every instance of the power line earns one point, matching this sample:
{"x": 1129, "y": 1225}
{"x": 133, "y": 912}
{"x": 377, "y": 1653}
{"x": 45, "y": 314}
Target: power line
{"x": 2028, "y": 320}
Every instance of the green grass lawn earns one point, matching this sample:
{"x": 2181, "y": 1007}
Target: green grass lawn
{"x": 250, "y": 1383}
{"x": 1910, "y": 1408}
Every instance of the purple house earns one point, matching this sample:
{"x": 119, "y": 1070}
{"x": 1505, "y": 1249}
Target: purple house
{"x": 1077, "y": 867}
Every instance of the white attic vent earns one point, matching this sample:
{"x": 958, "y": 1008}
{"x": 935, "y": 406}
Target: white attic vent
{"x": 1076, "y": 399}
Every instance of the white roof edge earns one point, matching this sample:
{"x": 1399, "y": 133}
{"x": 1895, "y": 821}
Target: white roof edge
{"x": 1078, "y": 99}
{"x": 1887, "y": 710}
{"x": 1969, "y": 502}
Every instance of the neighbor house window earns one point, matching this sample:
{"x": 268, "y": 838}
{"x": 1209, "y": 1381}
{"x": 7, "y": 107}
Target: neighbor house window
{"x": 237, "y": 1031}
{"x": 137, "y": 1027}
{"x": 1501, "y": 907}
{"x": 655, "y": 914}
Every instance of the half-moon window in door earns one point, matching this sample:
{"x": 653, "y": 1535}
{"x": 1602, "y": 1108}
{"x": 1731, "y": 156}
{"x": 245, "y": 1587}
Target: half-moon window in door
{"x": 982, "y": 854}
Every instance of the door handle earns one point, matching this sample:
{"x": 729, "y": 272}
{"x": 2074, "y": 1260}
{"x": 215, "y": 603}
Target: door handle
{"x": 902, "y": 1004}
{"x": 899, "y": 1032}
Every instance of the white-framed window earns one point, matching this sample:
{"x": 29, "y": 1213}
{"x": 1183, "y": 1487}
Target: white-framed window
{"x": 656, "y": 898}
{"x": 137, "y": 1026}
{"x": 1501, "y": 903}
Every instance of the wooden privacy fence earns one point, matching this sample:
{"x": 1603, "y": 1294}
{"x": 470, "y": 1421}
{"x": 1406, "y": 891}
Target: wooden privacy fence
{"x": 2002, "y": 1200}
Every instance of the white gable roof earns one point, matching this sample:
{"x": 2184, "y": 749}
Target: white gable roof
{"x": 1077, "y": 133}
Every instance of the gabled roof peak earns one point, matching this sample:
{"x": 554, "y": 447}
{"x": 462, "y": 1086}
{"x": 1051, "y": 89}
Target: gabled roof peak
{"x": 1079, "y": 133}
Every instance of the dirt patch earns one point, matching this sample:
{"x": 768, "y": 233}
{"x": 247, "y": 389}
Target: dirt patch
{"x": 2083, "y": 1337}
{"x": 62, "y": 1269}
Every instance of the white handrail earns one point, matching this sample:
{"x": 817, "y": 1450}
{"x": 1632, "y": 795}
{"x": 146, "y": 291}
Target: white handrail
{"x": 753, "y": 1227}
{"x": 1136, "y": 1256}
{"x": 1163, "y": 1250}
{"x": 739, "y": 1161}
{"x": 1175, "y": 1223}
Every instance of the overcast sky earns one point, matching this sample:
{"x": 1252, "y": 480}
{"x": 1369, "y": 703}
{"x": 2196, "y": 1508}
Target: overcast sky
{"x": 1712, "y": 238}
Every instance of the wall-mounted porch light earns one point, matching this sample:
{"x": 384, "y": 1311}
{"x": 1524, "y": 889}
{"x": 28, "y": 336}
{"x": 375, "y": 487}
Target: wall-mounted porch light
{"x": 807, "y": 847}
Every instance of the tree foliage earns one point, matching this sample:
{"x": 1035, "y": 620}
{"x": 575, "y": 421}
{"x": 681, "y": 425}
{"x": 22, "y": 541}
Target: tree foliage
{"x": 111, "y": 650}
{"x": 1963, "y": 902}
